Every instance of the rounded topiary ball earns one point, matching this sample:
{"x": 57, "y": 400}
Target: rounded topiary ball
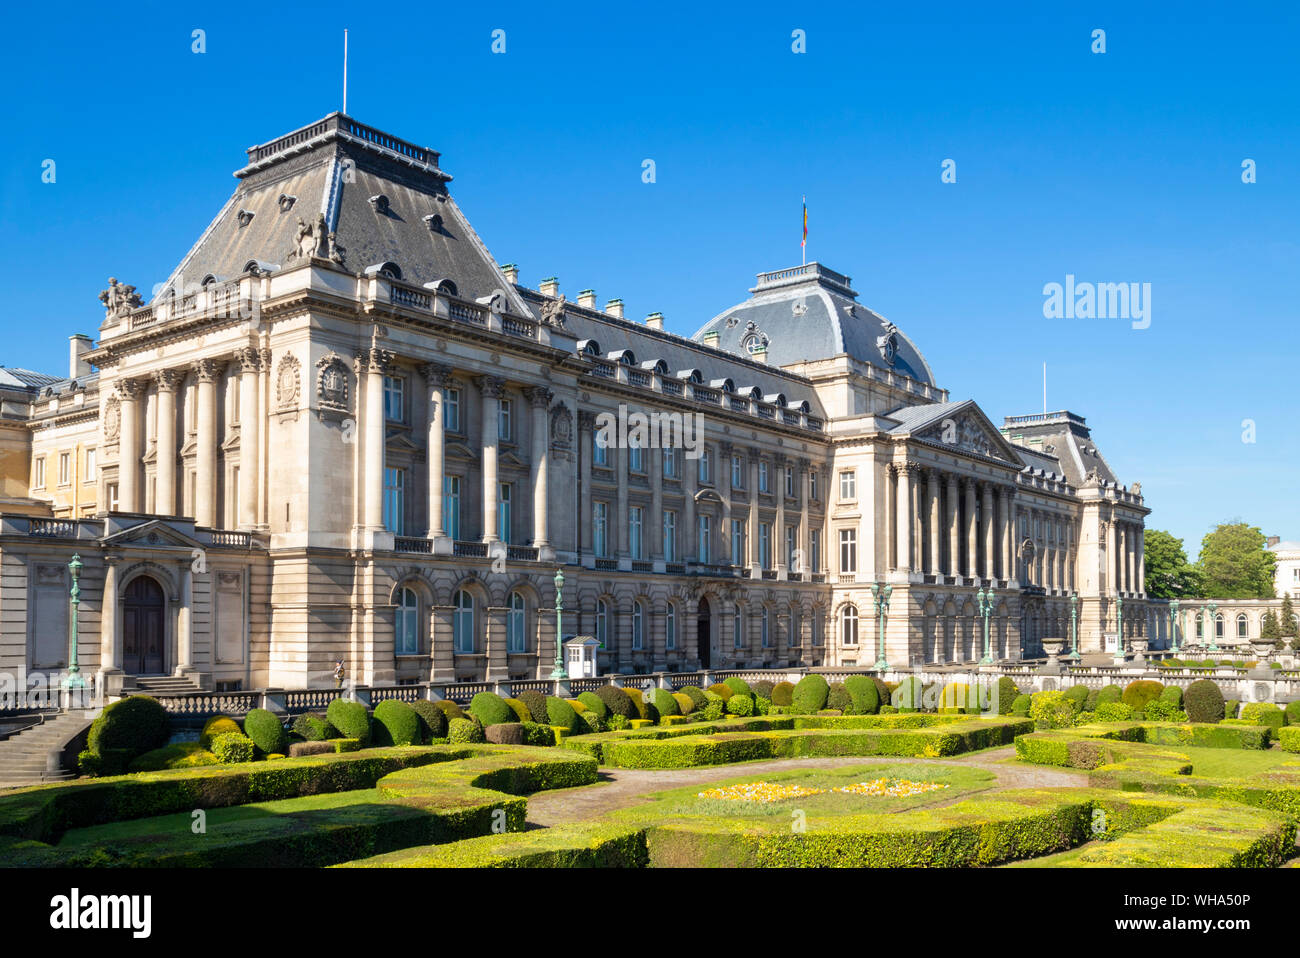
{"x": 837, "y": 697}
{"x": 217, "y": 725}
{"x": 1077, "y": 696}
{"x": 131, "y": 726}
{"x": 1173, "y": 695}
{"x": 266, "y": 731}
{"x": 722, "y": 690}
{"x": 741, "y": 704}
{"x": 909, "y": 695}
{"x": 351, "y": 719}
{"x": 863, "y": 693}
{"x": 664, "y": 702}
{"x": 783, "y": 694}
{"x": 536, "y": 703}
{"x": 616, "y": 701}
{"x": 697, "y": 695}
{"x": 520, "y": 710}
{"x": 1203, "y": 702}
{"x": 1007, "y": 692}
{"x": 737, "y": 685}
{"x": 491, "y": 709}
{"x": 594, "y": 704}
{"x": 231, "y": 747}
{"x": 561, "y": 713}
{"x": 1109, "y": 695}
{"x": 396, "y": 723}
{"x": 461, "y": 731}
{"x": 810, "y": 694}
{"x": 1137, "y": 694}
{"x": 684, "y": 702}
{"x": 761, "y": 689}
{"x": 433, "y": 721}
{"x": 1020, "y": 707}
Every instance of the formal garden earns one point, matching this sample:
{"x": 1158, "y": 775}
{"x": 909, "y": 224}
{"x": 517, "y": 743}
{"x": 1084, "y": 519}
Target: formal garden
{"x": 859, "y": 773}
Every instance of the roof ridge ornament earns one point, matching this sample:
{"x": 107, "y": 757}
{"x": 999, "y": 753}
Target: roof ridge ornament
{"x": 119, "y": 299}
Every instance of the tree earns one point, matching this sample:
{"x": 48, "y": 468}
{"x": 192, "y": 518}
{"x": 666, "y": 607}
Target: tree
{"x": 1169, "y": 574}
{"x": 1234, "y": 564}
{"x": 1268, "y": 629}
{"x": 1288, "y": 625}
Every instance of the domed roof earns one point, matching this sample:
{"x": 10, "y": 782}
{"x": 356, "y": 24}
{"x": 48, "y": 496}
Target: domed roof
{"x": 811, "y": 312}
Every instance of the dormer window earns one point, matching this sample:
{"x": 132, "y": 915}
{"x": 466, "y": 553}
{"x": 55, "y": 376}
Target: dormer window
{"x": 245, "y": 217}
{"x": 379, "y": 203}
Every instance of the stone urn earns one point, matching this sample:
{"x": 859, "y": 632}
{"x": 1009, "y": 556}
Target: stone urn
{"x": 1139, "y": 647}
{"x": 1264, "y": 651}
{"x": 1053, "y": 648}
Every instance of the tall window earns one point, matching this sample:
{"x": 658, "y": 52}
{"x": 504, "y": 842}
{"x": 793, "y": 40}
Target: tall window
{"x": 451, "y": 410}
{"x": 765, "y": 545}
{"x": 600, "y": 528}
{"x": 1241, "y": 626}
{"x": 1218, "y": 625}
{"x": 1200, "y": 628}
{"x": 790, "y": 549}
{"x": 394, "y": 395}
{"x": 702, "y": 538}
{"x": 737, "y": 631}
{"x": 599, "y": 452}
{"x": 516, "y": 638}
{"x": 90, "y": 475}
{"x": 462, "y": 624}
{"x": 504, "y": 424}
{"x": 705, "y": 467}
{"x": 817, "y": 635}
{"x": 848, "y": 551}
{"x": 408, "y": 623}
{"x": 737, "y": 474}
{"x": 812, "y": 484}
{"x": 503, "y": 512}
{"x": 763, "y": 485}
{"x": 670, "y": 463}
{"x": 765, "y": 627}
{"x": 849, "y": 625}
{"x": 670, "y": 536}
{"x": 737, "y": 542}
{"x": 815, "y": 548}
{"x": 789, "y": 482}
{"x": 670, "y": 627}
{"x": 638, "y": 626}
{"x": 602, "y": 623}
{"x": 848, "y": 484}
{"x": 796, "y": 626}
{"x": 394, "y": 500}
{"x": 38, "y": 478}
{"x": 451, "y": 505}
{"x": 634, "y": 530}
{"x": 634, "y": 462}
{"x": 65, "y": 468}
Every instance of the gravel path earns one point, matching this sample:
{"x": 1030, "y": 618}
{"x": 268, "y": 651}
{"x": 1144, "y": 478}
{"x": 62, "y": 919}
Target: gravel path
{"x": 623, "y": 787}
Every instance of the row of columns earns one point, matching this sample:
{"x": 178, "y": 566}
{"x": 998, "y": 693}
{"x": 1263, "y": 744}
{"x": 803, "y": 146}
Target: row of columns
{"x": 1053, "y": 564}
{"x": 1129, "y": 551}
{"x": 950, "y": 525}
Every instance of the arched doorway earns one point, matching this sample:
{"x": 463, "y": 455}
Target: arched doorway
{"x": 704, "y": 634}
{"x": 143, "y": 631}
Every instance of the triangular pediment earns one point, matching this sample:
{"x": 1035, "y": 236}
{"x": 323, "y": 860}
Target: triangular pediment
{"x": 961, "y": 427}
{"x": 154, "y": 534}
{"x": 458, "y": 450}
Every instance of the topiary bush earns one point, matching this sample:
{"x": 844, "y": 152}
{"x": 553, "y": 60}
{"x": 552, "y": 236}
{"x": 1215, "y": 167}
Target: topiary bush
{"x": 536, "y": 703}
{"x": 461, "y": 731}
{"x": 396, "y": 723}
{"x": 737, "y": 685}
{"x": 542, "y": 735}
{"x": 351, "y": 719}
{"x": 1137, "y": 694}
{"x": 685, "y": 704}
{"x": 1230, "y": 707}
{"x": 450, "y": 709}
{"x": 520, "y": 710}
{"x": 761, "y": 688}
{"x": 740, "y": 704}
{"x": 232, "y": 747}
{"x": 505, "y": 733}
{"x": 1051, "y": 710}
{"x": 1007, "y": 692}
{"x": 909, "y": 695}
{"x": 863, "y": 693}
{"x": 1263, "y": 713}
{"x": 762, "y": 706}
{"x": 433, "y": 721}
{"x": 313, "y": 727}
{"x": 1292, "y": 712}
{"x": 1203, "y": 702}
{"x": 1091, "y": 704}
{"x": 959, "y": 697}
{"x": 783, "y": 694}
{"x": 697, "y": 695}
{"x": 616, "y": 723}
{"x": 217, "y": 725}
{"x": 127, "y": 729}
{"x": 594, "y": 704}
{"x": 1077, "y": 696}
{"x": 723, "y": 690}
{"x": 616, "y": 701}
{"x": 715, "y": 709}
{"x": 266, "y": 731}
{"x": 1172, "y": 695}
{"x": 560, "y": 713}
{"x": 1163, "y": 711}
{"x": 1111, "y": 693}
{"x": 810, "y": 694}
{"x": 177, "y": 755}
{"x": 1114, "y": 712}
{"x": 664, "y": 702}
{"x": 491, "y": 709}
{"x": 1021, "y": 705}
{"x": 837, "y": 697}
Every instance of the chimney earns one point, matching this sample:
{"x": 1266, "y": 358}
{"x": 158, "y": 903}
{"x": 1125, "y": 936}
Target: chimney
{"x": 1272, "y": 541}
{"x": 587, "y": 299}
{"x": 512, "y": 273}
{"x": 759, "y": 353}
{"x": 655, "y": 320}
{"x": 79, "y": 345}
{"x": 614, "y": 308}
{"x": 549, "y": 287}
{"x": 711, "y": 338}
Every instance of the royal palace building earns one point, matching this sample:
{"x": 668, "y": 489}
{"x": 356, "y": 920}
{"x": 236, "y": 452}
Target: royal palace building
{"x": 341, "y": 431}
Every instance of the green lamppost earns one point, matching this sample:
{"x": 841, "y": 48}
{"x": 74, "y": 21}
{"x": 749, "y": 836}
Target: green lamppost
{"x": 880, "y": 598}
{"x": 1173, "y": 623}
{"x": 984, "y": 603}
{"x": 1074, "y": 627}
{"x": 558, "y": 672}
{"x": 1119, "y": 629}
{"x": 1212, "y": 624}
{"x": 74, "y": 679}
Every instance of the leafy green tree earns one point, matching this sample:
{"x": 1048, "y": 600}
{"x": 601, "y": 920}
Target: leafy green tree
{"x": 1234, "y": 563}
{"x": 1287, "y": 626}
{"x": 1169, "y": 574}
{"x": 1268, "y": 628}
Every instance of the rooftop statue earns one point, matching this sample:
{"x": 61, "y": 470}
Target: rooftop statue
{"x": 120, "y": 298}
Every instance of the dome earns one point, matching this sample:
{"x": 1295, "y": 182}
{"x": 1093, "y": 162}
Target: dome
{"x": 811, "y": 312}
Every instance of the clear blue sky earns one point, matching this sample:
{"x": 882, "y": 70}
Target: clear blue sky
{"x": 1123, "y": 166}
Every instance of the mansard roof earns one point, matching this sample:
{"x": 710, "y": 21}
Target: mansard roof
{"x": 1066, "y": 437}
{"x": 16, "y": 378}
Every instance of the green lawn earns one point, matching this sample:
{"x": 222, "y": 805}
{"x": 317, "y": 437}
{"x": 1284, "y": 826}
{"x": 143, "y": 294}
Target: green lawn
{"x": 1235, "y": 762}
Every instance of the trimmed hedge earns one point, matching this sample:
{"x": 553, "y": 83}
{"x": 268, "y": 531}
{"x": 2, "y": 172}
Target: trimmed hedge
{"x": 177, "y": 755}
{"x": 740, "y": 704}
{"x": 562, "y": 715}
{"x": 697, "y": 695}
{"x": 762, "y": 689}
{"x": 1289, "y": 738}
{"x": 909, "y": 695}
{"x": 665, "y": 704}
{"x": 1077, "y": 696}
{"x": 616, "y": 701}
{"x": 1110, "y": 693}
{"x": 350, "y": 718}
{"x": 266, "y": 731}
{"x": 838, "y": 698}
{"x": 594, "y": 704}
{"x": 1007, "y": 693}
{"x": 433, "y": 721}
{"x": 461, "y": 731}
{"x": 396, "y": 723}
{"x": 491, "y": 709}
{"x": 505, "y": 733}
{"x": 737, "y": 685}
{"x": 1021, "y": 705}
{"x": 1051, "y": 709}
{"x": 1138, "y": 693}
{"x": 722, "y": 690}
{"x": 312, "y": 727}
{"x": 215, "y": 726}
{"x": 520, "y": 710}
{"x": 783, "y": 694}
{"x": 127, "y": 729}
{"x": 1263, "y": 713}
{"x": 1292, "y": 712}
{"x": 1173, "y": 695}
{"x": 1203, "y": 702}
{"x": 863, "y": 694}
{"x": 233, "y": 747}
{"x": 685, "y": 704}
{"x": 810, "y": 694}
{"x": 536, "y": 703}
{"x": 449, "y": 709}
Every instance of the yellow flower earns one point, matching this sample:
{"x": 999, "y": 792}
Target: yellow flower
{"x": 759, "y": 792}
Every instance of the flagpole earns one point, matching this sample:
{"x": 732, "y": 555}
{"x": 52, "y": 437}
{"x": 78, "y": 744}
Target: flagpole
{"x": 345, "y": 71}
{"x": 803, "y": 243}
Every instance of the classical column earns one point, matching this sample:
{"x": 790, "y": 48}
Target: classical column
{"x": 110, "y": 649}
{"x": 1141, "y": 583}
{"x": 654, "y": 534}
{"x": 990, "y": 540}
{"x": 1130, "y": 557}
{"x": 778, "y": 527}
{"x": 130, "y": 393}
{"x": 971, "y": 570}
{"x": 690, "y": 476}
{"x": 185, "y": 622}
{"x": 805, "y": 537}
{"x": 622, "y": 518}
{"x": 205, "y": 480}
{"x": 726, "y": 490}
{"x": 491, "y": 388}
{"x": 165, "y": 488}
{"x": 435, "y": 378}
{"x": 954, "y": 530}
{"x": 376, "y": 363}
{"x": 540, "y": 398}
{"x": 263, "y": 452}
{"x": 934, "y": 566}
{"x": 249, "y": 442}
{"x": 586, "y": 423}
{"x": 754, "y": 454}
{"x": 904, "y": 520}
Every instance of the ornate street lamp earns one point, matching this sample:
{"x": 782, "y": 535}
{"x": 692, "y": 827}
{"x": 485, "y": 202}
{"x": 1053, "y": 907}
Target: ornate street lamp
{"x": 1212, "y": 625}
{"x": 1173, "y": 623}
{"x": 558, "y": 672}
{"x": 74, "y": 679}
{"x": 984, "y": 602}
{"x": 1119, "y": 629}
{"x": 880, "y": 598}
{"x": 1074, "y": 656}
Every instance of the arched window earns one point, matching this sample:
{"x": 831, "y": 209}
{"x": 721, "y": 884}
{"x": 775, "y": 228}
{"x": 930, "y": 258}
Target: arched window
{"x": 670, "y": 627}
{"x": 516, "y": 636}
{"x": 765, "y": 627}
{"x": 638, "y": 626}
{"x": 1242, "y": 628}
{"x": 407, "y": 638}
{"x": 602, "y": 623}
{"x": 849, "y": 624}
{"x": 463, "y": 621}
{"x": 1218, "y": 625}
{"x": 1200, "y": 626}
{"x": 737, "y": 631}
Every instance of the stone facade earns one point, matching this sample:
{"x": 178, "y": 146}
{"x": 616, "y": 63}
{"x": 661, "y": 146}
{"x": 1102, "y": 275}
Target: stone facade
{"x": 354, "y": 437}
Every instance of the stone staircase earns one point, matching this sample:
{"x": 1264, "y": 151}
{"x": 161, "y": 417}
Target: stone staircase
{"x": 31, "y": 757}
{"x": 157, "y": 685}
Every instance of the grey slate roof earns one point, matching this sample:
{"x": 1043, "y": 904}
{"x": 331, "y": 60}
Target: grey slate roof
{"x": 15, "y": 378}
{"x": 1070, "y": 440}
